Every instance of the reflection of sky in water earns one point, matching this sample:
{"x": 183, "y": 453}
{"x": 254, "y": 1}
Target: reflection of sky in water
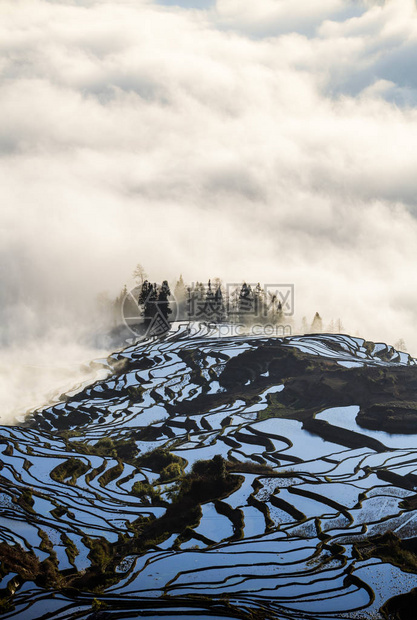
{"x": 304, "y": 444}
{"x": 345, "y": 417}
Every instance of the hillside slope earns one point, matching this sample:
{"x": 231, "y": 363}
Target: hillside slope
{"x": 218, "y": 477}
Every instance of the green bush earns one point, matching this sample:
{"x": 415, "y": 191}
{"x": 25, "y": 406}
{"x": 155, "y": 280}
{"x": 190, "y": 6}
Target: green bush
{"x": 216, "y": 468}
{"x": 158, "y": 459}
{"x": 71, "y": 468}
{"x": 101, "y": 552}
{"x": 111, "y": 474}
{"x": 146, "y": 491}
{"x": 173, "y": 471}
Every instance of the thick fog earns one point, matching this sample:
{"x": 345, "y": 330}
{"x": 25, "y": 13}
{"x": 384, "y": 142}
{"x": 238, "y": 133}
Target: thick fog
{"x": 270, "y": 141}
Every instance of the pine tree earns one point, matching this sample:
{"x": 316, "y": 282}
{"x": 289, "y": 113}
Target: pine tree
{"x": 274, "y": 309}
{"x": 258, "y": 302}
{"x": 232, "y": 302}
{"x": 148, "y": 297}
{"x": 400, "y": 345}
{"x": 140, "y": 274}
{"x": 246, "y": 303}
{"x": 280, "y": 318}
{"x": 209, "y": 309}
{"x": 181, "y": 298}
{"x": 118, "y": 305}
{"x": 219, "y": 305}
{"x": 196, "y": 302}
{"x": 317, "y": 324}
{"x": 330, "y": 329}
{"x": 163, "y": 303}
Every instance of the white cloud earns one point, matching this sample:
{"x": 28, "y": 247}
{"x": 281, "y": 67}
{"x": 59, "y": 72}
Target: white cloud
{"x": 189, "y": 141}
{"x": 271, "y": 17}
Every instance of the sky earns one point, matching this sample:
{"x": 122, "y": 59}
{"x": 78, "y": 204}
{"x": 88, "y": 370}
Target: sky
{"x": 270, "y": 140}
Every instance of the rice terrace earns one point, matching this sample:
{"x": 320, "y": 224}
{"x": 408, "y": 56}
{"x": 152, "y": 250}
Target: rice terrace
{"x": 218, "y": 478}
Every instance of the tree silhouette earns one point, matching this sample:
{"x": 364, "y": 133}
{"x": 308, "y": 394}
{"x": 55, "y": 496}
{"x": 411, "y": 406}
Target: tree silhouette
{"x": 400, "y": 345}
{"x": 180, "y": 295}
{"x": 258, "y": 301}
{"x": 163, "y": 303}
{"x": 147, "y": 299}
{"x": 246, "y": 303}
{"x": 140, "y": 274}
{"x": 219, "y": 305}
{"x": 317, "y": 324}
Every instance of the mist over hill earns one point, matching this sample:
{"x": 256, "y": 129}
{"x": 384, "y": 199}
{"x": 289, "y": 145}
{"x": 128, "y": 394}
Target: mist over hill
{"x": 272, "y": 139}
{"x": 246, "y": 459}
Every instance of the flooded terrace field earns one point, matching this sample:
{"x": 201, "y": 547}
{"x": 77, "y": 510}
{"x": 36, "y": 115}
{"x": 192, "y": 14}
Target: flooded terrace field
{"x": 213, "y": 477}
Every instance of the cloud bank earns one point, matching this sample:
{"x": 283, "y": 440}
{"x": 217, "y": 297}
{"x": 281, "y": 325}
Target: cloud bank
{"x": 269, "y": 140}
